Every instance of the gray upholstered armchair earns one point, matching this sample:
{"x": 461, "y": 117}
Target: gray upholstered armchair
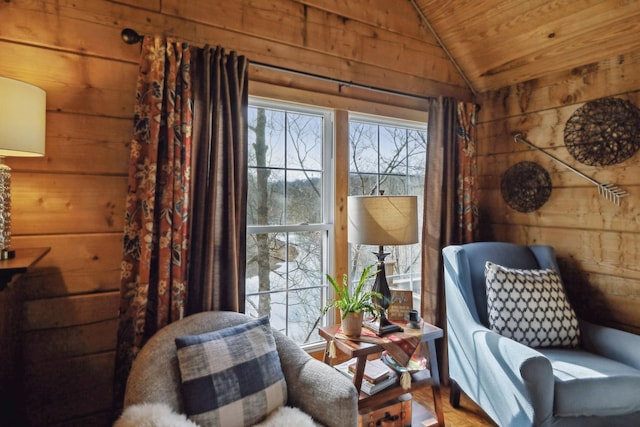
{"x": 594, "y": 384}
{"x": 317, "y": 389}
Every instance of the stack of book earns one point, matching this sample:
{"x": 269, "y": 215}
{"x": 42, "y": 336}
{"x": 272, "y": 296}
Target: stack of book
{"x": 377, "y": 375}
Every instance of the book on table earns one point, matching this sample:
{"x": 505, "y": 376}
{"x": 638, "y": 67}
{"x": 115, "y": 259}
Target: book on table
{"x": 375, "y": 370}
{"x": 367, "y": 386}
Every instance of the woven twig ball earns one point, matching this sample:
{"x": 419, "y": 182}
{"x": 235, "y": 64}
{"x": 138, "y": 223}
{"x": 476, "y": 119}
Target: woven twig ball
{"x": 603, "y": 132}
{"x": 526, "y": 186}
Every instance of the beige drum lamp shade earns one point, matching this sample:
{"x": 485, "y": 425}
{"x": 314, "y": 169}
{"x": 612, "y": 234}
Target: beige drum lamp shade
{"x": 22, "y": 134}
{"x": 383, "y": 220}
{"x": 22, "y": 119}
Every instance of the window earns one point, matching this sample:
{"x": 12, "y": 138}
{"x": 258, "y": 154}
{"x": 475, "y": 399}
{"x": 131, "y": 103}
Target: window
{"x": 289, "y": 208}
{"x": 291, "y": 204}
{"x": 388, "y": 155}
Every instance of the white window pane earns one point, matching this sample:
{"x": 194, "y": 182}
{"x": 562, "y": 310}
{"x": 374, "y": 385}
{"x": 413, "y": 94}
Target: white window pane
{"x": 275, "y": 138}
{"x": 277, "y": 308}
{"x": 285, "y": 280}
{"x": 393, "y": 150}
{"x": 251, "y": 135}
{"x": 304, "y": 141}
{"x": 306, "y": 261}
{"x": 266, "y": 136}
{"x": 266, "y": 272}
{"x": 362, "y": 256}
{"x": 304, "y": 197}
{"x": 393, "y": 185}
{"x": 363, "y": 140}
{"x": 363, "y": 184}
{"x": 417, "y": 149}
{"x": 305, "y": 308}
{"x": 266, "y": 196}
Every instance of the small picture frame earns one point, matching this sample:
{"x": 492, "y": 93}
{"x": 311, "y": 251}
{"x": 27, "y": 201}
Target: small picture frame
{"x": 401, "y": 304}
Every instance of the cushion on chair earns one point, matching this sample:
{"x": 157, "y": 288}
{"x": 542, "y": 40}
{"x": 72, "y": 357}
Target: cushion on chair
{"x": 587, "y": 384}
{"x": 232, "y": 376}
{"x": 530, "y": 306}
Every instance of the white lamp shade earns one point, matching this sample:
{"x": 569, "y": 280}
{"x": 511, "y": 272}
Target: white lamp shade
{"x": 383, "y": 220}
{"x": 22, "y": 119}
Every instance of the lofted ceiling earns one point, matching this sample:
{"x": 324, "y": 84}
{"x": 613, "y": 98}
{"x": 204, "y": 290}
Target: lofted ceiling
{"x": 498, "y": 43}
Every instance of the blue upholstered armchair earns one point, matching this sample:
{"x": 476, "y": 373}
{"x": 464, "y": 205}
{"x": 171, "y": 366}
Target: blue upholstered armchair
{"x": 594, "y": 384}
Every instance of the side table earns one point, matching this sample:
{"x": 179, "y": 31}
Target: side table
{"x": 23, "y": 260}
{"x": 361, "y": 350}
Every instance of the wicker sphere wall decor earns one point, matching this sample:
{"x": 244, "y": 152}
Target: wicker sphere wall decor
{"x": 603, "y": 132}
{"x": 526, "y": 186}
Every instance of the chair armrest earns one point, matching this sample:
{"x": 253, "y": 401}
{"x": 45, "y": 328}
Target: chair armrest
{"x": 316, "y": 388}
{"x": 325, "y": 394}
{"x": 611, "y": 343}
{"x": 512, "y": 382}
{"x": 515, "y": 378}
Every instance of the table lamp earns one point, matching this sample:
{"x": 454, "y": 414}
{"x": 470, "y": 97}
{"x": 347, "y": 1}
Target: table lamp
{"x": 22, "y": 134}
{"x": 382, "y": 220}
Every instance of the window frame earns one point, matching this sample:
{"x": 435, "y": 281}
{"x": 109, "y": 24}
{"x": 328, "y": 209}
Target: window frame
{"x": 337, "y": 130}
{"x": 328, "y": 199}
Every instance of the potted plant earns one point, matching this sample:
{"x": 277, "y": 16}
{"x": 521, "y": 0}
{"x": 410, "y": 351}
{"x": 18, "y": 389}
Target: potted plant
{"x": 353, "y": 306}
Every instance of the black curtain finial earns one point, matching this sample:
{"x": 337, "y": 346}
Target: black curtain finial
{"x": 130, "y": 36}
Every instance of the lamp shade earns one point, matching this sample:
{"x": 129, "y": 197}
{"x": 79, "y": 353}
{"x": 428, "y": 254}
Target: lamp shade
{"x": 383, "y": 220}
{"x": 22, "y": 119}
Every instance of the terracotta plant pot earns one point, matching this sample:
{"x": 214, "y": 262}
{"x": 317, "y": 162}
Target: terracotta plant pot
{"x": 352, "y": 324}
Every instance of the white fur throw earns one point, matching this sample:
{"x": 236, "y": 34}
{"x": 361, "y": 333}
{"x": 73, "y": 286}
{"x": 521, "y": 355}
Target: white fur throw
{"x": 287, "y": 416}
{"x": 152, "y": 415}
{"x": 161, "y": 415}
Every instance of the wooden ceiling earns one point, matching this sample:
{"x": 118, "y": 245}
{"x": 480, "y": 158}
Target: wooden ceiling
{"x": 498, "y": 43}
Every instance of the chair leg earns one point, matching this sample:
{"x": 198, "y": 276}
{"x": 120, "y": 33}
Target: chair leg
{"x": 454, "y": 394}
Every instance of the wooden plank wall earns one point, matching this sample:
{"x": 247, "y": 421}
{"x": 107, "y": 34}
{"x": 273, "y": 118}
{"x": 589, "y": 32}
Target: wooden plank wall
{"x": 65, "y": 310}
{"x": 597, "y": 242}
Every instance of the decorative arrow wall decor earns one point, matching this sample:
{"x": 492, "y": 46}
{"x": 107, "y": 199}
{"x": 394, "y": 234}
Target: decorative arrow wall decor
{"x": 609, "y": 191}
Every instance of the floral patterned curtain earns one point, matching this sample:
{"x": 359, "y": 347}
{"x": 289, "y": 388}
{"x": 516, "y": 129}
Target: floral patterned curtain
{"x": 154, "y": 265}
{"x": 451, "y": 200}
{"x": 185, "y": 221}
{"x": 467, "y": 174}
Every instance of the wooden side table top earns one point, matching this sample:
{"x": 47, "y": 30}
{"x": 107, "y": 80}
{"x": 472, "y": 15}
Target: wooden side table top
{"x": 358, "y": 348}
{"x": 24, "y": 259}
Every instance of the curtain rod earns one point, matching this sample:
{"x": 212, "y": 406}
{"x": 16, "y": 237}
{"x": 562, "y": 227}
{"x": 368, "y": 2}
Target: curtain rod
{"x": 130, "y": 36}
{"x": 341, "y": 83}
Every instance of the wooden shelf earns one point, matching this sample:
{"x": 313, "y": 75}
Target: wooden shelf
{"x": 419, "y": 379}
{"x": 360, "y": 350}
{"x": 24, "y": 259}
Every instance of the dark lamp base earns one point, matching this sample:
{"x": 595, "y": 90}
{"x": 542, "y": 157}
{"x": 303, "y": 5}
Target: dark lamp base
{"x": 381, "y": 326}
{"x": 7, "y": 254}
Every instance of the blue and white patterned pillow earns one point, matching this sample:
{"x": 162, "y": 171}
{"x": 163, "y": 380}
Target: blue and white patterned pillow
{"x": 530, "y": 306}
{"x": 231, "y": 377}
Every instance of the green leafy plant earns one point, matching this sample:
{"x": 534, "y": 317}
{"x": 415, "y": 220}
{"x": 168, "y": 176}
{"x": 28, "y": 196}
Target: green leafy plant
{"x": 360, "y": 300}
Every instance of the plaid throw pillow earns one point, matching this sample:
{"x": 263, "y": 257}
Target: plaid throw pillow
{"x": 530, "y": 306}
{"x": 231, "y": 377}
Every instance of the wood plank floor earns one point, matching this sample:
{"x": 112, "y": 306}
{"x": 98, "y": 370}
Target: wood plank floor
{"x": 468, "y": 415}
